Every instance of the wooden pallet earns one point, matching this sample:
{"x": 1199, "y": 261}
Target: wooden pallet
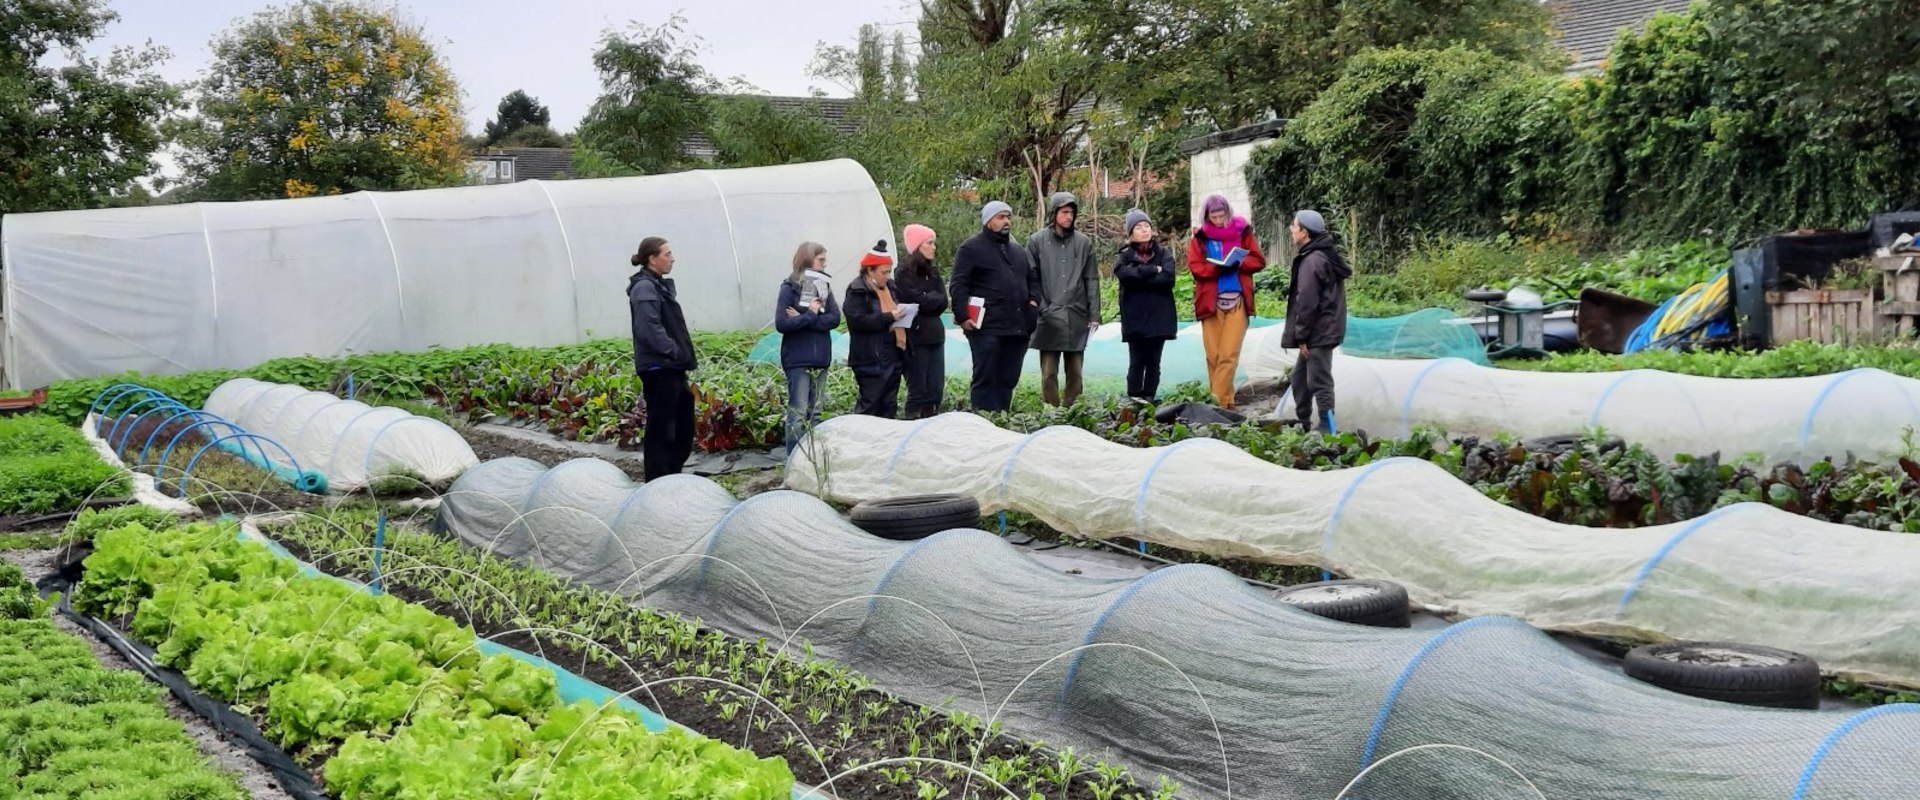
{"x": 1900, "y": 285}
{"x": 1827, "y": 316}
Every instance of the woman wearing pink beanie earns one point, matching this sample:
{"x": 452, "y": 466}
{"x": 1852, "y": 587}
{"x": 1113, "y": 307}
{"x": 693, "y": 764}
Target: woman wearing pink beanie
{"x": 917, "y": 280}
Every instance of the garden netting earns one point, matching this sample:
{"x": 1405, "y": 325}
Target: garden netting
{"x": 1171, "y": 672}
{"x": 349, "y": 442}
{"x": 1864, "y": 413}
{"x": 1746, "y": 573}
{"x": 1432, "y": 333}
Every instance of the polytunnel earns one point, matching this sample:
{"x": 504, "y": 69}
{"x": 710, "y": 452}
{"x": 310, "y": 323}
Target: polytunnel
{"x": 1186, "y": 672}
{"x": 1745, "y": 573}
{"x": 169, "y": 289}
{"x": 1863, "y": 412}
{"x": 351, "y": 443}
{"x": 1429, "y": 333}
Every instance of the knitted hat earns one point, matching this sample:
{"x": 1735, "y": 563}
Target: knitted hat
{"x": 877, "y": 257}
{"x": 1134, "y": 217}
{"x": 1310, "y": 220}
{"x": 915, "y": 236}
{"x": 994, "y": 209}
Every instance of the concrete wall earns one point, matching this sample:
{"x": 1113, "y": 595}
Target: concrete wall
{"x": 1222, "y": 171}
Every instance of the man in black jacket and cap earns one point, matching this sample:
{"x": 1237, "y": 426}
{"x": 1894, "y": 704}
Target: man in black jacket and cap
{"x": 1316, "y": 317}
{"x": 995, "y": 292}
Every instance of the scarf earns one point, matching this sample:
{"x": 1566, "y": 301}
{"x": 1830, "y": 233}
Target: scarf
{"x": 887, "y": 305}
{"x": 1231, "y": 235}
{"x": 1145, "y": 248}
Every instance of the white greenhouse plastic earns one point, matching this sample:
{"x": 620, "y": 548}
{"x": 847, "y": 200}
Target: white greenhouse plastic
{"x": 1746, "y": 573}
{"x": 351, "y": 443}
{"x": 169, "y": 289}
{"x": 1863, "y": 412}
{"x": 1187, "y": 672}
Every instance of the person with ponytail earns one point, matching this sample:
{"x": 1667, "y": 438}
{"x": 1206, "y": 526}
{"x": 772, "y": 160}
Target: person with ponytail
{"x": 662, "y": 356}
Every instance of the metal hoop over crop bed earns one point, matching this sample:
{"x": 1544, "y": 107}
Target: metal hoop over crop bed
{"x": 1174, "y": 670}
{"x": 116, "y": 414}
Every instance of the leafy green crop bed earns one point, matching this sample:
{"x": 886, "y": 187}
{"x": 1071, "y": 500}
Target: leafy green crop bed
{"x": 839, "y": 721}
{"x": 46, "y": 467}
{"x": 385, "y": 697}
{"x": 74, "y": 729}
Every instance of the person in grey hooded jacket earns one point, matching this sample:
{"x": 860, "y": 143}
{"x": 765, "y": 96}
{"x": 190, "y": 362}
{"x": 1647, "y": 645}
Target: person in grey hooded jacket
{"x": 1069, "y": 297}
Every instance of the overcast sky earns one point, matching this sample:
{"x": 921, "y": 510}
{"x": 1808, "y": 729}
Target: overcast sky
{"x": 546, "y": 46}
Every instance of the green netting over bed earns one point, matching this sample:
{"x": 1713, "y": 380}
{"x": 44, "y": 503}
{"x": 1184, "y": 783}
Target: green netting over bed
{"x": 1432, "y": 333}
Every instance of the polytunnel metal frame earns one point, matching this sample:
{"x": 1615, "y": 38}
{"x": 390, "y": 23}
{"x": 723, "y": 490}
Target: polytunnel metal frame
{"x": 1793, "y": 746}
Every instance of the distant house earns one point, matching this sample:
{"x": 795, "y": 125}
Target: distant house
{"x": 1586, "y": 29}
{"x": 514, "y": 164}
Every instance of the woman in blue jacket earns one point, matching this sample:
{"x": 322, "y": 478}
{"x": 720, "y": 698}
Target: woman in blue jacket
{"x": 805, "y": 318}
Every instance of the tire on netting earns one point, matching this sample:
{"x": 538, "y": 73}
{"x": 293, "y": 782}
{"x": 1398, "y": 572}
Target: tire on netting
{"x": 916, "y": 516}
{"x": 1379, "y": 604}
{"x": 1729, "y": 672}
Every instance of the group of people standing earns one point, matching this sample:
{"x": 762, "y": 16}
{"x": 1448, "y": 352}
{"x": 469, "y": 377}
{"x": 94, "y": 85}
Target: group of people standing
{"x": 1007, "y": 299}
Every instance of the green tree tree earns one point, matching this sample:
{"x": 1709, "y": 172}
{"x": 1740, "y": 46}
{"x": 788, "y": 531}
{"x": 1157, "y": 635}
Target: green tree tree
{"x": 748, "y": 131}
{"x": 1236, "y": 62}
{"x": 534, "y": 136}
{"x": 651, "y": 100}
{"x": 325, "y": 97}
{"x": 517, "y": 110}
{"x": 74, "y": 136}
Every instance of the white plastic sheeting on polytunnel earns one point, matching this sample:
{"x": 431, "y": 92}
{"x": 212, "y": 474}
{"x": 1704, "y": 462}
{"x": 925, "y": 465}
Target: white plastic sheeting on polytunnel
{"x": 1862, "y": 412}
{"x": 1165, "y": 672}
{"x": 351, "y": 443}
{"x": 1847, "y": 596}
{"x": 168, "y": 289}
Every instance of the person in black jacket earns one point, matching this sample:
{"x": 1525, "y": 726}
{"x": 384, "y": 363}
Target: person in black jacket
{"x": 1144, "y": 270}
{"x": 876, "y": 350}
{"x": 917, "y": 280}
{"x": 993, "y": 269}
{"x": 662, "y": 356}
{"x": 1316, "y": 317}
{"x": 806, "y": 338}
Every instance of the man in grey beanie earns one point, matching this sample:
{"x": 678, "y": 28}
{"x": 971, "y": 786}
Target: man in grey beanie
{"x": 995, "y": 293}
{"x": 1069, "y": 297}
{"x": 1316, "y": 317}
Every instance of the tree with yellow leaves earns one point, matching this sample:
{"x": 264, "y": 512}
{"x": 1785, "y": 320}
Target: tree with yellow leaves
{"x": 324, "y": 97}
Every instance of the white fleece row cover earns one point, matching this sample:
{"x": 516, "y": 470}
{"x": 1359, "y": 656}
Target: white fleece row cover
{"x": 1862, "y": 412}
{"x": 348, "y": 441}
{"x": 1163, "y": 672}
{"x": 1849, "y": 597}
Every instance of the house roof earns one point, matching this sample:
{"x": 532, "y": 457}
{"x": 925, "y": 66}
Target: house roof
{"x": 1586, "y": 29}
{"x": 540, "y": 163}
{"x": 1241, "y": 135}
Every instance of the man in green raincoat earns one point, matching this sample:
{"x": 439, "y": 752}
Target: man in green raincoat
{"x": 1069, "y": 297}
